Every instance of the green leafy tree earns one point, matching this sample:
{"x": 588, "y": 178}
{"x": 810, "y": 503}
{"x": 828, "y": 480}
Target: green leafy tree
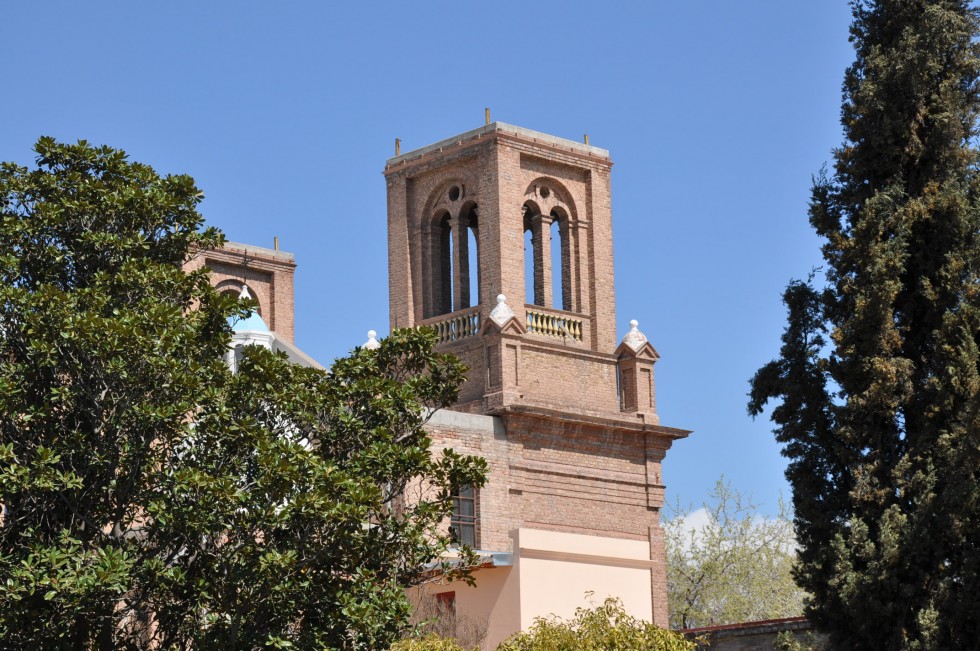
{"x": 880, "y": 420}
{"x": 735, "y": 566}
{"x": 153, "y": 499}
{"x": 606, "y": 627}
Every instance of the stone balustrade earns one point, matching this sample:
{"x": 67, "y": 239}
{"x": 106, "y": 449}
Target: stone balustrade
{"x": 556, "y": 325}
{"x": 455, "y": 326}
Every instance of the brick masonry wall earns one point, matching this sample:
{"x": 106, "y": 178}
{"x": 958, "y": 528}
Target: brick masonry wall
{"x": 548, "y": 473}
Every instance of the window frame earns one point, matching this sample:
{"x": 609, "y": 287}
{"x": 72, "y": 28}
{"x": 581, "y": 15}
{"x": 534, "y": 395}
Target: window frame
{"x": 460, "y": 523}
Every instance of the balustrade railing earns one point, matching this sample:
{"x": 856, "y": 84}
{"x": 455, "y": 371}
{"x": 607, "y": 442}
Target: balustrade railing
{"x": 455, "y": 326}
{"x": 558, "y": 326}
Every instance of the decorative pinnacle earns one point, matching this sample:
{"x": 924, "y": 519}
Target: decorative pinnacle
{"x": 634, "y": 338}
{"x": 372, "y": 343}
{"x": 501, "y": 313}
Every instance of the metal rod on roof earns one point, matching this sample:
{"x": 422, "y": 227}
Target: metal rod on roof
{"x": 275, "y": 243}
{"x": 586, "y": 138}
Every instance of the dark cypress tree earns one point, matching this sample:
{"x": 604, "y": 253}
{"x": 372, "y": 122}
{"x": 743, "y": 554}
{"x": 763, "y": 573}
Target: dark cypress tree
{"x": 881, "y": 422}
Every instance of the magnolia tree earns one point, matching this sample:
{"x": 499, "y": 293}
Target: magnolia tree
{"x": 153, "y": 499}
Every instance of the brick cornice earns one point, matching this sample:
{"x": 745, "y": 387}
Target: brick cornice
{"x": 669, "y": 434}
{"x": 530, "y": 145}
{"x": 526, "y": 144}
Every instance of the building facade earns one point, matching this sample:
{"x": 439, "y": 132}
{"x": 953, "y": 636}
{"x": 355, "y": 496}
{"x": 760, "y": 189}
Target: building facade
{"x": 501, "y": 240}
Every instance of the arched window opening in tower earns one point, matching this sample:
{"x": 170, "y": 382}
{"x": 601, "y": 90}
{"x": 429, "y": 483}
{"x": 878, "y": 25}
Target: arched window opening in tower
{"x": 473, "y": 254}
{"x": 446, "y": 264}
{"x": 439, "y": 299}
{"x": 556, "y": 264}
{"x": 234, "y": 289}
{"x": 533, "y": 259}
{"x": 528, "y": 264}
{"x": 561, "y": 263}
{"x": 452, "y": 277}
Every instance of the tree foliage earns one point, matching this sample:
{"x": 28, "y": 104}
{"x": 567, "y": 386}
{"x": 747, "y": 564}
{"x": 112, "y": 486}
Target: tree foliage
{"x": 153, "y": 499}
{"x": 606, "y": 627}
{"x": 734, "y": 567}
{"x": 880, "y": 420}
{"x": 430, "y": 642}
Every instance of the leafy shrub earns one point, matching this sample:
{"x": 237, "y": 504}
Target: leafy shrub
{"x": 428, "y": 643}
{"x": 607, "y": 627}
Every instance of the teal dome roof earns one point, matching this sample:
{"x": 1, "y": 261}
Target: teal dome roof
{"x": 253, "y": 322}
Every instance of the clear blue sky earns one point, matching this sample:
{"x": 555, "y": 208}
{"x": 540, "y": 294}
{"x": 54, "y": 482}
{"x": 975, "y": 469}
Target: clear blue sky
{"x": 716, "y": 114}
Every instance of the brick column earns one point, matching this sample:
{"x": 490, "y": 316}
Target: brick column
{"x": 568, "y": 281}
{"x": 658, "y": 575}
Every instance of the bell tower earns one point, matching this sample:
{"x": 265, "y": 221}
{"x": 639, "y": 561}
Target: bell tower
{"x": 500, "y": 239}
{"x": 268, "y": 274}
{"x": 506, "y": 211}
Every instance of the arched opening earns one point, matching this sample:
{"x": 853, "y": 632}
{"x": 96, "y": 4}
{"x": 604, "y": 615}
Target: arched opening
{"x": 556, "y": 265}
{"x": 450, "y": 255}
{"x": 551, "y": 267}
{"x": 233, "y": 288}
{"x": 446, "y": 264}
{"x": 529, "y": 265}
{"x": 452, "y": 250}
{"x": 535, "y": 269}
{"x": 471, "y": 224}
{"x": 561, "y": 260}
{"x": 439, "y": 296}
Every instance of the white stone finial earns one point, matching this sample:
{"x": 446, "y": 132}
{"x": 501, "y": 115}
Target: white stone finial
{"x": 501, "y": 313}
{"x": 372, "y": 343}
{"x": 634, "y": 338}
{"x": 245, "y": 294}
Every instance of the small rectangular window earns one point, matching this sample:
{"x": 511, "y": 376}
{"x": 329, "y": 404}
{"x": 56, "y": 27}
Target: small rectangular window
{"x": 446, "y": 601}
{"x": 462, "y": 527}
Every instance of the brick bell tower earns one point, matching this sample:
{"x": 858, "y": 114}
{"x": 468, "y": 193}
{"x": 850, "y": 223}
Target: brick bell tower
{"x": 268, "y": 273}
{"x": 500, "y": 239}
